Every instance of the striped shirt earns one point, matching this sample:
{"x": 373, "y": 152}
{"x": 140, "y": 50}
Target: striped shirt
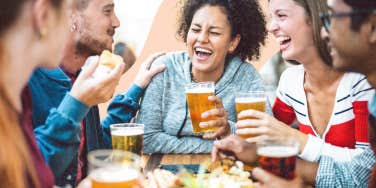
{"x": 349, "y": 174}
{"x": 346, "y": 134}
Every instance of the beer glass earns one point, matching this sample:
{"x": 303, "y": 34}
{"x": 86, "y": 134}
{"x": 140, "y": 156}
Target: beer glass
{"x": 198, "y": 102}
{"x": 127, "y": 137}
{"x": 114, "y": 169}
{"x": 279, "y": 157}
{"x": 255, "y": 100}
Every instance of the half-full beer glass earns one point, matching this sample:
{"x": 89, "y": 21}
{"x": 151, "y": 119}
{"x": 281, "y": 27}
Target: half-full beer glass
{"x": 279, "y": 157}
{"x": 114, "y": 169}
{"x": 127, "y": 137}
{"x": 255, "y": 100}
{"x": 198, "y": 102}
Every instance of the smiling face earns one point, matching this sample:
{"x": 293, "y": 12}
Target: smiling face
{"x": 96, "y": 26}
{"x": 345, "y": 57}
{"x": 209, "y": 40}
{"x": 291, "y": 28}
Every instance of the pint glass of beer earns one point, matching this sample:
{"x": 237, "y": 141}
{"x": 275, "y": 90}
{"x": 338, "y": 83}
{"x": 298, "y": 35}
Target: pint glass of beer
{"x": 198, "y": 102}
{"x": 115, "y": 169}
{"x": 255, "y": 100}
{"x": 127, "y": 137}
{"x": 279, "y": 157}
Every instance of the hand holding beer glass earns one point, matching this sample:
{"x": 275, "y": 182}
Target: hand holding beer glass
{"x": 127, "y": 137}
{"x": 114, "y": 169}
{"x": 255, "y": 100}
{"x": 198, "y": 102}
{"x": 279, "y": 156}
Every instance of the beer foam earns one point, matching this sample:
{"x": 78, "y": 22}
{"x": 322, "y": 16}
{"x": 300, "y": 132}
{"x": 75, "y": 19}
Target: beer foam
{"x": 200, "y": 90}
{"x": 277, "y": 151}
{"x": 250, "y": 99}
{"x": 114, "y": 174}
{"x": 127, "y": 132}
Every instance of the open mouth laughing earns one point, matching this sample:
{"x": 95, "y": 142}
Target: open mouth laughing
{"x": 202, "y": 54}
{"x": 284, "y": 42}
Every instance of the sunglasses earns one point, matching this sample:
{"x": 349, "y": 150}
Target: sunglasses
{"x": 326, "y": 17}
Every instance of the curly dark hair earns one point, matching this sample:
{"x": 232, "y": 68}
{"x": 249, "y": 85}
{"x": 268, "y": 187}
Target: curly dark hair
{"x": 245, "y": 17}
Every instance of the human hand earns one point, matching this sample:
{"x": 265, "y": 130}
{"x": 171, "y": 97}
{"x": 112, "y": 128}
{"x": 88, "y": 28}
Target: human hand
{"x": 268, "y": 180}
{"x": 236, "y": 147}
{"x": 146, "y": 72}
{"x": 85, "y": 183}
{"x": 94, "y": 90}
{"x": 220, "y": 119}
{"x": 265, "y": 127}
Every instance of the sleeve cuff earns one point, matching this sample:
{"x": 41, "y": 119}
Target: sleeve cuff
{"x": 73, "y": 108}
{"x": 312, "y": 149}
{"x": 135, "y": 91}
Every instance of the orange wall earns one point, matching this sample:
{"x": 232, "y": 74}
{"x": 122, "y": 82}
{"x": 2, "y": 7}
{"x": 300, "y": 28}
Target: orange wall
{"x": 162, "y": 37}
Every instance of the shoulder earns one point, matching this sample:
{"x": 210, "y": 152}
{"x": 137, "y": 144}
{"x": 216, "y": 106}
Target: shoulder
{"x": 173, "y": 59}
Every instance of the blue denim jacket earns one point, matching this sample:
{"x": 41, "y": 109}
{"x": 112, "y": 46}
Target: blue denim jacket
{"x": 57, "y": 117}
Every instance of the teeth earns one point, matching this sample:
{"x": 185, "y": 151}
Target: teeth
{"x": 282, "y": 39}
{"x": 198, "y": 49}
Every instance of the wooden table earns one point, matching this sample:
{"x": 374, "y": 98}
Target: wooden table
{"x": 150, "y": 162}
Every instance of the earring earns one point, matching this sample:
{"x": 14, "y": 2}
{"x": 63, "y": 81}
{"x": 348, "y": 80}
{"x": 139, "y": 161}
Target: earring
{"x": 43, "y": 32}
{"x": 73, "y": 28}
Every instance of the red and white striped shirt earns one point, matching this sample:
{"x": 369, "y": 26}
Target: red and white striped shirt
{"x": 346, "y": 134}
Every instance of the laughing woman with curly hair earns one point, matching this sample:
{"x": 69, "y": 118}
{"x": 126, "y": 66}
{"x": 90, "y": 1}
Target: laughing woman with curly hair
{"x": 219, "y": 35}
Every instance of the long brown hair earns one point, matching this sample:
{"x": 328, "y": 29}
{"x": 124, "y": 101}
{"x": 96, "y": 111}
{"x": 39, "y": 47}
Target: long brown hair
{"x": 313, "y": 9}
{"x": 16, "y": 166}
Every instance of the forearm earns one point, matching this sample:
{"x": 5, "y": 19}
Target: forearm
{"x": 124, "y": 107}
{"x": 345, "y": 174}
{"x": 316, "y": 148}
{"x": 59, "y": 138}
{"x": 161, "y": 142}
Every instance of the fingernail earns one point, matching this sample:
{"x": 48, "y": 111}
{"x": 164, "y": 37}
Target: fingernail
{"x": 204, "y": 115}
{"x": 203, "y": 124}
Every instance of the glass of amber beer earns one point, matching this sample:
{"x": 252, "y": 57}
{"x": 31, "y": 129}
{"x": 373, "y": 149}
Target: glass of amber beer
{"x": 127, "y": 137}
{"x": 255, "y": 100}
{"x": 279, "y": 157}
{"x": 198, "y": 102}
{"x": 115, "y": 169}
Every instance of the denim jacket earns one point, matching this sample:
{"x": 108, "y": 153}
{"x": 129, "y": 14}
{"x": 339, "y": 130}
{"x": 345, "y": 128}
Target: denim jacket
{"x": 57, "y": 117}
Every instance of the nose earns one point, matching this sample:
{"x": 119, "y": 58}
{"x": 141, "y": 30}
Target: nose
{"x": 203, "y": 36}
{"x": 115, "y": 21}
{"x": 273, "y": 26}
{"x": 324, "y": 34}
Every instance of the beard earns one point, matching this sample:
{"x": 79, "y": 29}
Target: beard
{"x": 89, "y": 45}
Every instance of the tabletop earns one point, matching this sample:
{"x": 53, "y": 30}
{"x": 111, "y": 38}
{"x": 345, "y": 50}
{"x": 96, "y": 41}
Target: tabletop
{"x": 150, "y": 162}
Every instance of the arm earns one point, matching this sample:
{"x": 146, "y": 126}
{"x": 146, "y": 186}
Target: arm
{"x": 283, "y": 112}
{"x": 361, "y": 93}
{"x": 59, "y": 138}
{"x": 350, "y": 174}
{"x": 125, "y": 106}
{"x": 156, "y": 139}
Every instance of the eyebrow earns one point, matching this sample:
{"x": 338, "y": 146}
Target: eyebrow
{"x": 211, "y": 27}
{"x": 112, "y": 5}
